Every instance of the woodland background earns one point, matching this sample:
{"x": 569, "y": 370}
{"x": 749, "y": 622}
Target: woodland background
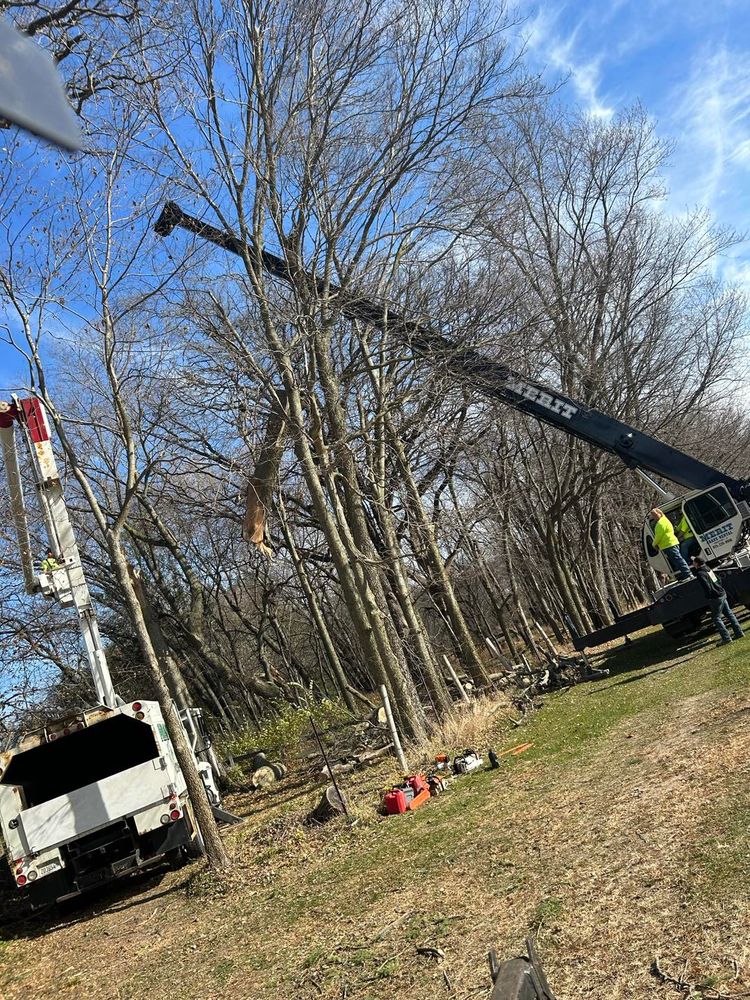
{"x": 402, "y": 151}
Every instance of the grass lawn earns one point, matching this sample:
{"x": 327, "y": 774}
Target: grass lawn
{"x": 621, "y": 836}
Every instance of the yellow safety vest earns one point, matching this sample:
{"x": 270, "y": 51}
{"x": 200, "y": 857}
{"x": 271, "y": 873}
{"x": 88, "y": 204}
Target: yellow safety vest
{"x": 684, "y": 530}
{"x": 664, "y": 534}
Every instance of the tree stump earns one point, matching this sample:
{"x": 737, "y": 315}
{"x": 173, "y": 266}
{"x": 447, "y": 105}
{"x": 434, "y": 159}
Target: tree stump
{"x": 331, "y": 804}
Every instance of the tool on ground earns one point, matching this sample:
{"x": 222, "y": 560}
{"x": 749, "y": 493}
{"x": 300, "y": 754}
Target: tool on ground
{"x": 516, "y": 751}
{"x": 519, "y": 978}
{"x": 437, "y": 784}
{"x": 407, "y": 797}
{"x": 467, "y": 762}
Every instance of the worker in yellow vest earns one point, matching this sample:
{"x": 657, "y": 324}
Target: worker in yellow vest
{"x": 50, "y": 563}
{"x": 686, "y": 538}
{"x": 666, "y": 541}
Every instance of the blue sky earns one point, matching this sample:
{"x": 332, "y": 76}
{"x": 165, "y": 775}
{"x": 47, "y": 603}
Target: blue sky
{"x": 688, "y": 64}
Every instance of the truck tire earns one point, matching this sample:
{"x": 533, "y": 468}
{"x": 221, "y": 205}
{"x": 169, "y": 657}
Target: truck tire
{"x": 678, "y": 628}
{"x": 178, "y": 858}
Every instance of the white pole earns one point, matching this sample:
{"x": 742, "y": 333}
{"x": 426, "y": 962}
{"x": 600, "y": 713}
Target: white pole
{"x": 454, "y": 678}
{"x": 394, "y": 732}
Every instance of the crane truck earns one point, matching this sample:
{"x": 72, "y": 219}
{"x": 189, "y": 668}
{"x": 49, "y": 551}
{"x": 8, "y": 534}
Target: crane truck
{"x": 715, "y": 506}
{"x": 90, "y": 797}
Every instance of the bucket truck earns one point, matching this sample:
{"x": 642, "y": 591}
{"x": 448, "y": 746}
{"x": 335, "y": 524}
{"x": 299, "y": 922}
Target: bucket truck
{"x": 715, "y": 505}
{"x": 87, "y": 798}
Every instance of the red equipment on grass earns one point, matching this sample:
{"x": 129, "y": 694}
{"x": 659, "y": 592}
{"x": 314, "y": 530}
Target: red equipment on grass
{"x": 407, "y": 797}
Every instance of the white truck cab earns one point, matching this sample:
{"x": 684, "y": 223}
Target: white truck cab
{"x": 718, "y": 524}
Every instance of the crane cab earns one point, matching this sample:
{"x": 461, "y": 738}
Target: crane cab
{"x": 715, "y": 520}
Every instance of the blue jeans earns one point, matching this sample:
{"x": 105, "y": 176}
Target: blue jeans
{"x": 719, "y": 606}
{"x": 685, "y": 548}
{"x": 677, "y": 561}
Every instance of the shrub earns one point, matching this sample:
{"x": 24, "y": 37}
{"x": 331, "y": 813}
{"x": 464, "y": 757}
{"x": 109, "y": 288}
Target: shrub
{"x": 282, "y": 734}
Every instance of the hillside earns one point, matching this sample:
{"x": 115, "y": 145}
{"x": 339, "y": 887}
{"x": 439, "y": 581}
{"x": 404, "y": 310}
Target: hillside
{"x": 621, "y": 836}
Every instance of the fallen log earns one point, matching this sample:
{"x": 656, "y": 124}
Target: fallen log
{"x": 262, "y": 777}
{"x": 360, "y": 760}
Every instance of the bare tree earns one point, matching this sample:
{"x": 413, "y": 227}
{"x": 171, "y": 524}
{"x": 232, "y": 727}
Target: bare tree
{"x": 93, "y": 245}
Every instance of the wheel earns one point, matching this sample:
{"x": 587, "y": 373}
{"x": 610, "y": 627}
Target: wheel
{"x": 680, "y": 627}
{"x": 178, "y": 857}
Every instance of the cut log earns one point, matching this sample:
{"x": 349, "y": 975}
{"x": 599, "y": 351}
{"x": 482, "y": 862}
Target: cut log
{"x": 263, "y": 777}
{"x": 378, "y": 717}
{"x": 361, "y": 760}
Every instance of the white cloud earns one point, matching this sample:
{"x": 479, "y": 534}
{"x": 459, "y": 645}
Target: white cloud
{"x": 712, "y": 118}
{"x": 736, "y": 271}
{"x": 558, "y": 51}
{"x": 741, "y": 154}
{"x": 613, "y": 52}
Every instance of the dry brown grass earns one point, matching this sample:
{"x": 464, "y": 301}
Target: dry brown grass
{"x": 622, "y": 836}
{"x": 476, "y": 726}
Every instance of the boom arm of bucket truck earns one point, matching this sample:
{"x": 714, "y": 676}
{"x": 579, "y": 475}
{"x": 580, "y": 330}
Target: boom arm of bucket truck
{"x": 67, "y": 583}
{"x": 639, "y": 451}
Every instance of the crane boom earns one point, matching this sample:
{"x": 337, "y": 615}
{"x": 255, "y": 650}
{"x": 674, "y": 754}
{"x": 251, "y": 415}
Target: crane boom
{"x": 67, "y": 584}
{"x": 493, "y": 379}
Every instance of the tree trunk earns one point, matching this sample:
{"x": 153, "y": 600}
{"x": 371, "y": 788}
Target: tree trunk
{"x": 363, "y": 609}
{"x": 215, "y": 850}
{"x": 432, "y": 556}
{"x": 321, "y": 626}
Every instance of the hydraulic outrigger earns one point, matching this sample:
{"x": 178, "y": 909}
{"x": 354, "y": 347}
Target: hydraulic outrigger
{"x": 716, "y": 508}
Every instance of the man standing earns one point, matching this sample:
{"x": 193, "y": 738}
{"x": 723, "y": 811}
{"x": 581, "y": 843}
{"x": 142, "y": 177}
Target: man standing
{"x": 686, "y": 537}
{"x": 717, "y": 601}
{"x": 666, "y": 541}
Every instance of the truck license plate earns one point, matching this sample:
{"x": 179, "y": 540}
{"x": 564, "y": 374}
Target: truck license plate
{"x": 51, "y": 867}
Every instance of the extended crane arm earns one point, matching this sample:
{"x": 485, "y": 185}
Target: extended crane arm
{"x": 491, "y": 378}
{"x": 66, "y": 583}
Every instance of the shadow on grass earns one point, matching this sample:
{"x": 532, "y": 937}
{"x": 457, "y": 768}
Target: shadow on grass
{"x": 656, "y": 647}
{"x": 112, "y": 898}
{"x": 278, "y": 795}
